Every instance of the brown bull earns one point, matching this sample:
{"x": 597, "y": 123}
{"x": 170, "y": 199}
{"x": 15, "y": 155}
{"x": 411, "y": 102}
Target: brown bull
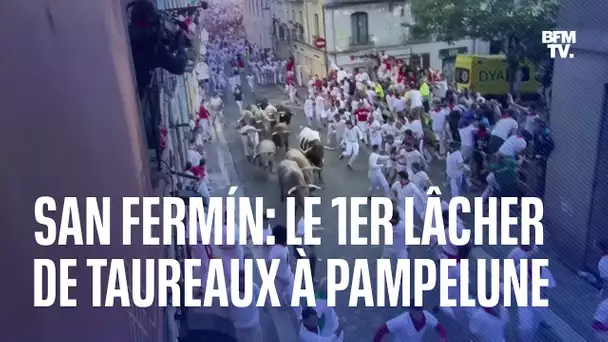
{"x": 292, "y": 183}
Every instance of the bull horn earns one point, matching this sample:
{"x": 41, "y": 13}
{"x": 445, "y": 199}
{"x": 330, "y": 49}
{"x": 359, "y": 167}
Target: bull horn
{"x": 292, "y": 190}
{"x": 286, "y": 132}
{"x": 258, "y": 130}
{"x": 329, "y": 148}
{"x": 258, "y": 121}
{"x": 311, "y": 168}
{"x": 312, "y": 186}
{"x": 306, "y": 150}
{"x": 275, "y": 133}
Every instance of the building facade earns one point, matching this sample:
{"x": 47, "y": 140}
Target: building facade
{"x": 308, "y": 45}
{"x": 576, "y": 183}
{"x": 257, "y": 19}
{"x": 360, "y": 29}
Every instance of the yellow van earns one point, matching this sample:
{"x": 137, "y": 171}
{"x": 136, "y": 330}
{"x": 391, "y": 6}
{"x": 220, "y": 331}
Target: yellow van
{"x": 488, "y": 75}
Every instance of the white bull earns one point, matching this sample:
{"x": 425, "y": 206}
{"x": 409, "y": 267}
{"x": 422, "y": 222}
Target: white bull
{"x": 306, "y": 135}
{"x": 264, "y": 154}
{"x": 250, "y": 140}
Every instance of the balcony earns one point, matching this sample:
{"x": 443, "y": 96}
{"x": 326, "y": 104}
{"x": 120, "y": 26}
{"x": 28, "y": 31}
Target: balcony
{"x": 362, "y": 40}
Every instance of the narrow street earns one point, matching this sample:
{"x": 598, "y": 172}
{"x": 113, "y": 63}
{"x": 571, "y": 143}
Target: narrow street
{"x": 571, "y": 305}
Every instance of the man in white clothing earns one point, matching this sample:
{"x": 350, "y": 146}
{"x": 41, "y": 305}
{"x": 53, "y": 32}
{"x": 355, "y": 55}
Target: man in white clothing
{"x": 398, "y": 250}
{"x": 350, "y": 142}
{"x": 311, "y": 332}
{"x": 375, "y": 174}
{"x": 414, "y": 97}
{"x": 309, "y": 108}
{"x": 504, "y": 128}
{"x": 247, "y": 319}
{"x": 454, "y": 165}
{"x": 285, "y": 277}
{"x": 513, "y": 146}
{"x": 231, "y": 250}
{"x": 404, "y": 188}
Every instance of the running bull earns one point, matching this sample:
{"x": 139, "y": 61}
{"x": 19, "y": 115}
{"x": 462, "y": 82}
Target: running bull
{"x": 250, "y": 140}
{"x": 304, "y": 164}
{"x": 312, "y": 147}
{"x": 293, "y": 183}
{"x": 265, "y": 154}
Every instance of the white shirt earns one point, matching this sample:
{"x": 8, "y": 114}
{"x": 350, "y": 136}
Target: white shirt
{"x": 487, "y": 327}
{"x": 249, "y": 316}
{"x": 530, "y": 122}
{"x": 416, "y": 128}
{"x": 376, "y": 162}
{"x": 438, "y": 120}
{"x": 513, "y": 146}
{"x": 375, "y": 129}
{"x": 408, "y": 158}
{"x": 282, "y": 253}
{"x": 194, "y": 157}
{"x": 422, "y": 180}
{"x": 466, "y": 136}
{"x": 341, "y": 75}
{"x": 399, "y": 104}
{"x": 454, "y": 164}
{"x": 405, "y": 190}
{"x": 505, "y": 127}
{"x": 352, "y": 135}
{"x": 403, "y": 330}
{"x": 415, "y": 97}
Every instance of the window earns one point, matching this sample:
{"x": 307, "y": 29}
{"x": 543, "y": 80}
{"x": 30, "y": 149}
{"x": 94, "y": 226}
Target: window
{"x": 301, "y": 18}
{"x": 316, "y": 27}
{"x": 358, "y": 26}
{"x": 422, "y": 60}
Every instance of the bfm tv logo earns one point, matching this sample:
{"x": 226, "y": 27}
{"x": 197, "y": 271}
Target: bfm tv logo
{"x": 560, "y": 42}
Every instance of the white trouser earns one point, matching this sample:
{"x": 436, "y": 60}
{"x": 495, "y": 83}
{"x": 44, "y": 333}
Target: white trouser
{"x": 440, "y": 135}
{"x": 320, "y": 112}
{"x": 351, "y": 150}
{"x": 377, "y": 180}
{"x": 251, "y": 85}
{"x": 363, "y": 127}
{"x": 205, "y": 126}
{"x": 240, "y": 104}
{"x": 455, "y": 185}
{"x": 309, "y": 113}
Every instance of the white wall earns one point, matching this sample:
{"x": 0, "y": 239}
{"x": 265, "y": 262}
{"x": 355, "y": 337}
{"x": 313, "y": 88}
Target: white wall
{"x": 384, "y": 26}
